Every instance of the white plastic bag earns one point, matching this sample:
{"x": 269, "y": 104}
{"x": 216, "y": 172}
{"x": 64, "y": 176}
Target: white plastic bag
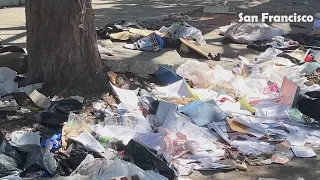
{"x": 250, "y": 32}
{"x": 21, "y": 138}
{"x": 7, "y": 84}
{"x": 195, "y": 71}
{"x": 123, "y": 168}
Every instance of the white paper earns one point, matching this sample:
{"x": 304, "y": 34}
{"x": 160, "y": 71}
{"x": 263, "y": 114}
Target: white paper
{"x": 296, "y": 139}
{"x": 89, "y": 142}
{"x": 315, "y": 133}
{"x": 151, "y": 140}
{"x": 184, "y": 166}
{"x": 162, "y": 112}
{"x": 177, "y": 90}
{"x": 129, "y": 97}
{"x": 303, "y": 151}
{"x": 277, "y": 111}
{"x": 252, "y": 123}
{"x": 312, "y": 139}
{"x": 222, "y": 128}
{"x": 205, "y": 94}
{"x": 177, "y": 122}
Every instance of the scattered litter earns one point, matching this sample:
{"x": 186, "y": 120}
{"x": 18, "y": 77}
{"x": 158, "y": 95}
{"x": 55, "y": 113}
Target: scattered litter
{"x": 192, "y": 115}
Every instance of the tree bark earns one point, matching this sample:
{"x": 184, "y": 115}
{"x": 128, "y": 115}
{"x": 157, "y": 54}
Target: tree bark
{"x": 61, "y": 41}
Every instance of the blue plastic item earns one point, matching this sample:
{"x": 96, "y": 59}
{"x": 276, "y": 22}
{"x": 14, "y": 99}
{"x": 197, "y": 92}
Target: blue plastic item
{"x": 203, "y": 113}
{"x": 56, "y": 139}
{"x": 166, "y": 76}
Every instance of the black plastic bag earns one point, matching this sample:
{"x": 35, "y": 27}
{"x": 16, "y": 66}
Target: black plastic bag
{"x": 310, "y": 106}
{"x": 115, "y": 27}
{"x": 10, "y": 160}
{"x": 147, "y": 159}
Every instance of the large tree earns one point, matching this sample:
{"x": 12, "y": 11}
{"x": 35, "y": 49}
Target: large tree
{"x": 61, "y": 41}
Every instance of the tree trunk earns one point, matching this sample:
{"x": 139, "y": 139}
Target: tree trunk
{"x": 61, "y": 41}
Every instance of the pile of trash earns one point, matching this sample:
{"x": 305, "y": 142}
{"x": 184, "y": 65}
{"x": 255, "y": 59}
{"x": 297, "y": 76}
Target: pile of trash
{"x": 199, "y": 117}
{"x": 179, "y": 35}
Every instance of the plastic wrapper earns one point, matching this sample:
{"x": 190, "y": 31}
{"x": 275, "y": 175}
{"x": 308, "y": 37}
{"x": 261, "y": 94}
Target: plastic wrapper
{"x": 123, "y": 168}
{"x": 92, "y": 167}
{"x": 133, "y": 121}
{"x": 14, "y": 176}
{"x": 38, "y": 155}
{"x": 197, "y": 72}
{"x": 252, "y": 148}
{"x": 202, "y": 113}
{"x": 21, "y": 138}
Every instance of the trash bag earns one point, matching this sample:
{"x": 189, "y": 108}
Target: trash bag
{"x": 69, "y": 164}
{"x": 93, "y": 167}
{"x": 250, "y": 32}
{"x": 10, "y": 160}
{"x": 36, "y": 155}
{"x": 309, "y": 104}
{"x": 122, "y": 168}
{"x": 197, "y": 72}
{"x": 11, "y": 48}
{"x": 148, "y": 159}
{"x": 184, "y": 30}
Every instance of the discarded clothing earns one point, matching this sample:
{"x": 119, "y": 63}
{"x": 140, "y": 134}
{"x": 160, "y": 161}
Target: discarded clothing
{"x": 152, "y": 42}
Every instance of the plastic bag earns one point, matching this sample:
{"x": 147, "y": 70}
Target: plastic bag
{"x": 134, "y": 121}
{"x": 252, "y": 148}
{"x": 123, "y": 168}
{"x": 8, "y": 166}
{"x": 7, "y": 84}
{"x": 10, "y": 160}
{"x": 92, "y": 167}
{"x": 195, "y": 71}
{"x": 202, "y": 113}
{"x": 250, "y": 32}
{"x": 38, "y": 155}
{"x": 14, "y": 176}
{"x": 21, "y": 138}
